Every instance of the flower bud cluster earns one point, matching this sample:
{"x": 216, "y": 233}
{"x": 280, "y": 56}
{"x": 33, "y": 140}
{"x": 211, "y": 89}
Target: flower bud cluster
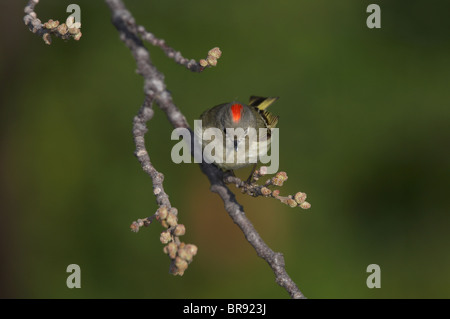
{"x": 299, "y": 199}
{"x": 181, "y": 258}
{"x": 279, "y": 179}
{"x": 211, "y": 60}
{"x": 70, "y": 29}
{"x": 253, "y": 189}
{"x": 180, "y": 253}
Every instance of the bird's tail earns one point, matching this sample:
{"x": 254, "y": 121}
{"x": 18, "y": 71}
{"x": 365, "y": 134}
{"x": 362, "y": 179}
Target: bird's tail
{"x": 262, "y": 103}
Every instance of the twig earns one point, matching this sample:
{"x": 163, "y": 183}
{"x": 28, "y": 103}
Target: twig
{"x": 192, "y": 65}
{"x": 67, "y": 30}
{"x": 255, "y": 190}
{"x": 155, "y": 87}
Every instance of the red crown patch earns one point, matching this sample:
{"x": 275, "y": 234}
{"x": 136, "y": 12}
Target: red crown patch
{"x": 236, "y": 111}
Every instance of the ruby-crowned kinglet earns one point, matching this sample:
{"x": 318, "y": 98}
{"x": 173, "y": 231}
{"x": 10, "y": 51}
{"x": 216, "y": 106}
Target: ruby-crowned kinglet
{"x": 232, "y": 133}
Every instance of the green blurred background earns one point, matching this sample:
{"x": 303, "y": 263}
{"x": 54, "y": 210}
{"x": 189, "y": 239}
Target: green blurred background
{"x": 364, "y": 128}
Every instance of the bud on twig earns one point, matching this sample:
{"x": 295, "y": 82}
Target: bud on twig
{"x": 291, "y": 202}
{"x": 162, "y": 212}
{"x": 171, "y": 220}
{"x": 171, "y": 250}
{"x": 51, "y": 24}
{"x": 265, "y": 191}
{"x": 305, "y": 205}
{"x": 215, "y": 52}
{"x": 181, "y": 264}
{"x": 62, "y": 29}
{"x": 165, "y": 237}
{"x": 47, "y": 38}
{"x": 300, "y": 197}
{"x": 179, "y": 230}
{"x": 192, "y": 249}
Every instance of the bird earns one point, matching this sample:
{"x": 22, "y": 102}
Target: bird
{"x": 231, "y": 151}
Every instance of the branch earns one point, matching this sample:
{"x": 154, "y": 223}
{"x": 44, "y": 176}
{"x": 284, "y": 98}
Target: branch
{"x": 155, "y": 89}
{"x": 237, "y": 214}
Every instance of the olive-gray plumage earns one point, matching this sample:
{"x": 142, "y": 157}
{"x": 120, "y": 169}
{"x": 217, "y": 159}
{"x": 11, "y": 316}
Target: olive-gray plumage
{"x": 236, "y": 115}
